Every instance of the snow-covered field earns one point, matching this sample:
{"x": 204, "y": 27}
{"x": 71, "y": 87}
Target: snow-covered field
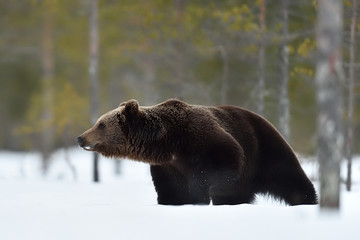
{"x": 124, "y": 206}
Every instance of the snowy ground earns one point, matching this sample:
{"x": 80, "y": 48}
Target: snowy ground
{"x": 124, "y": 207}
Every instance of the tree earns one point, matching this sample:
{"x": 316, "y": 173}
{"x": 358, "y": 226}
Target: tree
{"x": 284, "y": 113}
{"x": 350, "y": 131}
{"x": 47, "y": 84}
{"x": 328, "y": 80}
{"x": 261, "y": 63}
{"x": 68, "y": 117}
{"x": 179, "y": 69}
{"x": 224, "y": 78}
{"x": 93, "y": 73}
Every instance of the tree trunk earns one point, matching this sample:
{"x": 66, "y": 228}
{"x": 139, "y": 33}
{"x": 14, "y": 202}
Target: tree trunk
{"x": 284, "y": 112}
{"x": 117, "y": 166}
{"x": 179, "y": 69}
{"x": 94, "y": 73}
{"x": 224, "y": 80}
{"x": 350, "y": 131}
{"x": 329, "y": 76}
{"x": 47, "y": 83}
{"x": 261, "y": 63}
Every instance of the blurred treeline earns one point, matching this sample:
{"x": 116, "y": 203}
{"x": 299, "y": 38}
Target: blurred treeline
{"x": 151, "y": 51}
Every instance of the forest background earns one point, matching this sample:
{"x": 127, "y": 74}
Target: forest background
{"x": 204, "y": 52}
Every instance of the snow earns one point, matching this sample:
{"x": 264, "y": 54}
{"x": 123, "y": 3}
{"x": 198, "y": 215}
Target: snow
{"x": 124, "y": 206}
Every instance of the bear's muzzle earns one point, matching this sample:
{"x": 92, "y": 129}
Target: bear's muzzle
{"x": 80, "y": 141}
{"x": 82, "y": 144}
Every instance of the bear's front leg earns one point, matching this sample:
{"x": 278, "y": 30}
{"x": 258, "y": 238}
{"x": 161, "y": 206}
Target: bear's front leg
{"x": 228, "y": 189}
{"x": 228, "y": 181}
{"x": 173, "y": 188}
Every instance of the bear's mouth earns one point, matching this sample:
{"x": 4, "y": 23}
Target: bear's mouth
{"x": 90, "y": 147}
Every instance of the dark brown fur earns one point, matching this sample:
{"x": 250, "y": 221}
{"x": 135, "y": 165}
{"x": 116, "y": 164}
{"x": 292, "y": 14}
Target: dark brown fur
{"x": 199, "y": 154}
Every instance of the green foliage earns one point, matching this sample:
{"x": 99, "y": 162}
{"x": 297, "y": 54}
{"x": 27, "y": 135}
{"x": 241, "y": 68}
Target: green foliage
{"x": 69, "y": 110}
{"x": 237, "y": 18}
{"x": 306, "y": 47}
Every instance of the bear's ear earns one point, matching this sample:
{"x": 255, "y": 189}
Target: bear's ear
{"x": 131, "y": 107}
{"x": 122, "y": 104}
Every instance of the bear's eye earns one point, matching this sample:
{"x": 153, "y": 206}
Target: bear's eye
{"x": 101, "y": 126}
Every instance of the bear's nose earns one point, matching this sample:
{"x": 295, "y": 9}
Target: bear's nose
{"x": 80, "y": 141}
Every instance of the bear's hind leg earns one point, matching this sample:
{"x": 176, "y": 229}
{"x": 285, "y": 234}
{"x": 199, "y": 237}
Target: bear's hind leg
{"x": 295, "y": 196}
{"x": 294, "y": 189}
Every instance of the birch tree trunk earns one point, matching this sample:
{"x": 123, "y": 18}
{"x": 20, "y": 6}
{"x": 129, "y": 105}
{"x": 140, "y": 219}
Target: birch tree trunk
{"x": 224, "y": 80}
{"x": 179, "y": 69}
{"x": 47, "y": 83}
{"x": 329, "y": 99}
{"x": 94, "y": 73}
{"x": 261, "y": 63}
{"x": 350, "y": 131}
{"x": 284, "y": 112}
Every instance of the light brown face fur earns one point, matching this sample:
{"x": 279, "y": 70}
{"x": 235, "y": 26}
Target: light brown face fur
{"x": 107, "y": 136}
{"x": 130, "y": 131}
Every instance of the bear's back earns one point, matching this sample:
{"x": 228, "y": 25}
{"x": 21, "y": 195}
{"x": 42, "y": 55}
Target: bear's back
{"x": 255, "y": 134}
{"x": 258, "y": 137}
{"x": 238, "y": 123}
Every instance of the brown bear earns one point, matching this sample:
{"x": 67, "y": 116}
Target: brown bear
{"x": 200, "y": 154}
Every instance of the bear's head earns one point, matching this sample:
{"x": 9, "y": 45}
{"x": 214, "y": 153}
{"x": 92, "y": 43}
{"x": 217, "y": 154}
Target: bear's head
{"x": 110, "y": 135}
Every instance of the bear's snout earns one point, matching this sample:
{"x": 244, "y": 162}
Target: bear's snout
{"x": 85, "y": 144}
{"x": 80, "y": 141}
